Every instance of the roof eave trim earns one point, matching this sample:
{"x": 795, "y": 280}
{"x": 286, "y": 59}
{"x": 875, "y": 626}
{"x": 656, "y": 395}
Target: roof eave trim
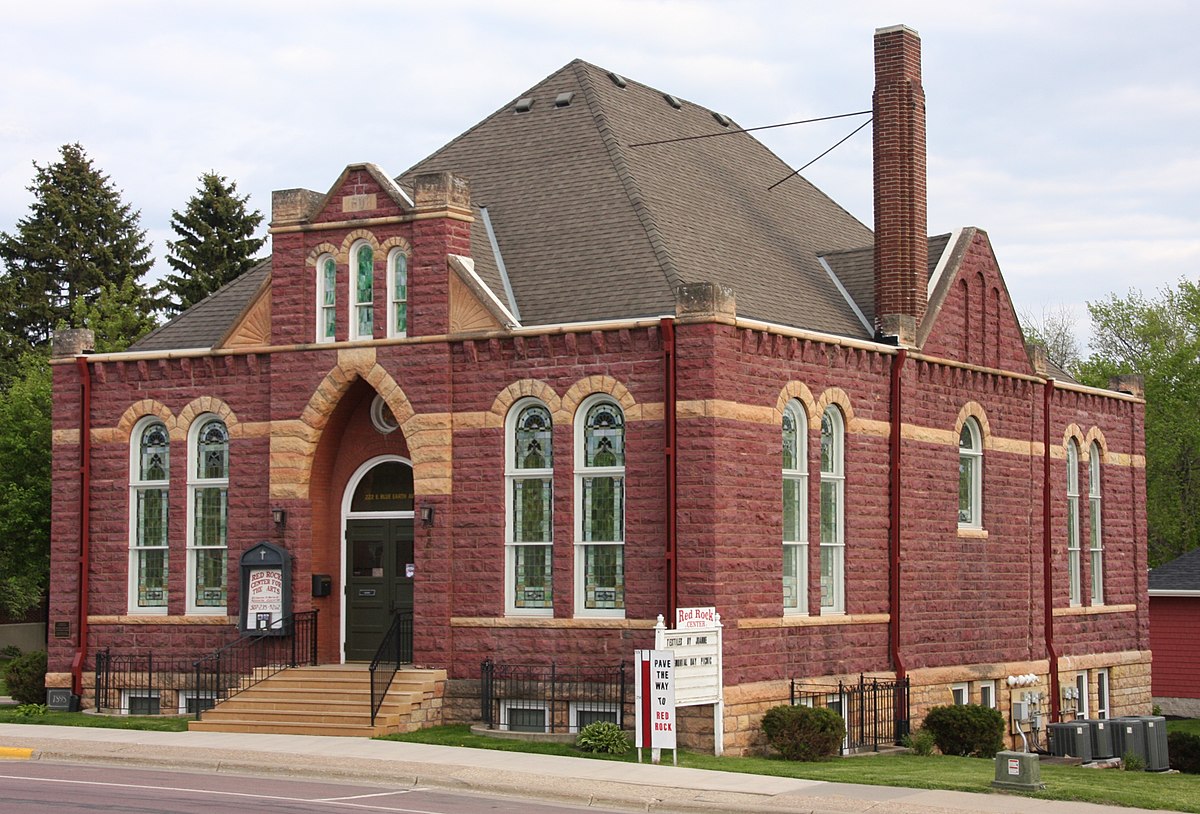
{"x": 500, "y": 267}
{"x": 1173, "y": 592}
{"x": 466, "y": 265}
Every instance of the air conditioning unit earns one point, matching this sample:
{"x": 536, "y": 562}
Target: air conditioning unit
{"x": 1102, "y": 739}
{"x": 1129, "y": 737}
{"x": 1156, "y": 743}
{"x": 1071, "y": 739}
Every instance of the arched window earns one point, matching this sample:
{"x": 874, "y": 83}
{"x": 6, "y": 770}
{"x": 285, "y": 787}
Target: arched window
{"x": 795, "y": 508}
{"x": 397, "y": 293}
{"x": 149, "y": 484}
{"x": 530, "y": 523}
{"x": 970, "y": 475}
{"x": 326, "y": 298}
{"x": 1073, "y": 554}
{"x": 362, "y": 291}
{"x": 1094, "y": 515}
{"x": 833, "y": 490}
{"x": 600, "y": 518}
{"x": 208, "y": 515}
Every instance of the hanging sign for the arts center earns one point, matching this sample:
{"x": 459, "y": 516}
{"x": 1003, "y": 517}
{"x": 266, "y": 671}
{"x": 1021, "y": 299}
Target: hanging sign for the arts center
{"x": 655, "y": 699}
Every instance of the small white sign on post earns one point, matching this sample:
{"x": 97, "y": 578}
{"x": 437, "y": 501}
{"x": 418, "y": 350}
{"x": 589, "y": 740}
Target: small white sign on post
{"x": 654, "y": 699}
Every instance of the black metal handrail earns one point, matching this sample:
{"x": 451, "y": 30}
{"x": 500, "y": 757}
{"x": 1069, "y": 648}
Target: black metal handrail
{"x": 140, "y": 683}
{"x": 550, "y": 698}
{"x": 395, "y": 649}
{"x": 875, "y": 711}
{"x": 257, "y": 656}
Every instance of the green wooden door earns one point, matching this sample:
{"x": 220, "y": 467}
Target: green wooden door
{"x": 379, "y": 581}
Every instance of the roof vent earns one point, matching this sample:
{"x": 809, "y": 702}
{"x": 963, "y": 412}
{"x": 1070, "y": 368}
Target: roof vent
{"x": 722, "y": 119}
{"x": 672, "y": 101}
{"x": 523, "y": 104}
{"x": 564, "y": 99}
{"x": 617, "y": 79}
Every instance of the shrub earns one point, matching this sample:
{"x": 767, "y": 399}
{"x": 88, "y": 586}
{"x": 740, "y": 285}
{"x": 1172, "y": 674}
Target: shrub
{"x": 26, "y": 678}
{"x": 1184, "y": 751}
{"x": 9, "y": 651}
{"x": 31, "y": 711}
{"x": 1132, "y": 762}
{"x": 604, "y": 737}
{"x": 804, "y": 733}
{"x": 920, "y": 743}
{"x": 966, "y": 729}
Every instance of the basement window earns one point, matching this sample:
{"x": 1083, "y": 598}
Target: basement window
{"x": 523, "y": 716}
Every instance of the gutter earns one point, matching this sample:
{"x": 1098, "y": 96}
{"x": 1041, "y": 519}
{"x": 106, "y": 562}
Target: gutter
{"x": 85, "y": 488}
{"x": 1047, "y": 555}
{"x": 894, "y": 519}
{"x": 669, "y": 464}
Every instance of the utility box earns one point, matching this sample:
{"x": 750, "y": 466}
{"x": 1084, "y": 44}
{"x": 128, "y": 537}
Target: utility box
{"x": 1129, "y": 737}
{"x": 1102, "y": 739}
{"x": 1156, "y": 743}
{"x": 322, "y": 584}
{"x": 1071, "y": 739}
{"x": 1018, "y": 771}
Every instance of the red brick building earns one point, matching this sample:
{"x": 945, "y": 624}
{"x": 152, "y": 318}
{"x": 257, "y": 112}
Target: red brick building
{"x": 564, "y": 377}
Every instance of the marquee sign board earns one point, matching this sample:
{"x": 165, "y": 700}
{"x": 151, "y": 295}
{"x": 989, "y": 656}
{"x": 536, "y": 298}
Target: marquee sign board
{"x": 697, "y": 646}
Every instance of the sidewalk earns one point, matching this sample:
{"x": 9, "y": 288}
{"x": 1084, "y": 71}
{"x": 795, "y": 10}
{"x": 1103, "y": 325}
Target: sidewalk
{"x": 643, "y": 787}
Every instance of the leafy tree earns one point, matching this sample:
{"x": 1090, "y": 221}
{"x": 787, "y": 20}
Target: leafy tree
{"x": 216, "y": 243}
{"x": 25, "y": 486}
{"x": 1055, "y": 330}
{"x": 78, "y": 237}
{"x": 1159, "y": 339}
{"x": 115, "y": 317}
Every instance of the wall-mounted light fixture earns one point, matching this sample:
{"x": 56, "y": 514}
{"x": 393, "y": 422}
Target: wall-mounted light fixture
{"x": 279, "y": 516}
{"x": 427, "y": 516}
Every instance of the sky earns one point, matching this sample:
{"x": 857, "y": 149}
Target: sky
{"x": 1067, "y": 129}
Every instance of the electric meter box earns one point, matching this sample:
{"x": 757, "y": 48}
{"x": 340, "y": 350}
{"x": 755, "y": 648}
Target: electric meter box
{"x": 1071, "y": 739}
{"x": 1102, "y": 739}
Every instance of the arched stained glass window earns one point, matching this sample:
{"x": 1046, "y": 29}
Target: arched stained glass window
{"x": 149, "y": 487}
{"x": 398, "y": 293}
{"x": 600, "y": 523}
{"x": 833, "y": 488}
{"x": 1073, "y": 552}
{"x": 326, "y": 298}
{"x": 1095, "y": 523}
{"x": 208, "y": 517}
{"x": 362, "y": 317}
{"x": 530, "y": 482}
{"x": 795, "y": 508}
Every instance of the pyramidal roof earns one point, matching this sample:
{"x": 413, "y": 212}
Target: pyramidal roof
{"x": 597, "y": 210}
{"x": 592, "y": 222}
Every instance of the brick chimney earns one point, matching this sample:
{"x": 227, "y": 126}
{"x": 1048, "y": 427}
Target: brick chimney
{"x": 901, "y": 248}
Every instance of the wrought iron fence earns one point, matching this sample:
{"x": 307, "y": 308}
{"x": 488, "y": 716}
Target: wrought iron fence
{"x": 147, "y": 685}
{"x": 538, "y": 698}
{"x": 256, "y": 656}
{"x": 395, "y": 649}
{"x": 875, "y": 712}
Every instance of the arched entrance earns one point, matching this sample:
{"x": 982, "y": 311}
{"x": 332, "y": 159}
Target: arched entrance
{"x": 377, "y": 553}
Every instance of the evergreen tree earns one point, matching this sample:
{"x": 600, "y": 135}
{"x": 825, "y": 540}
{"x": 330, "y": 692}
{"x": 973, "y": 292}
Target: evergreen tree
{"x": 78, "y": 237}
{"x": 216, "y": 243}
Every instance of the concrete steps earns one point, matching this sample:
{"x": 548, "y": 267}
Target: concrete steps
{"x": 329, "y": 700}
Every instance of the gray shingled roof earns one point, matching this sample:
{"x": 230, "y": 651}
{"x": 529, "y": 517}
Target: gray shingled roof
{"x": 207, "y": 322}
{"x": 591, "y": 226}
{"x": 1180, "y": 574}
{"x": 856, "y": 271}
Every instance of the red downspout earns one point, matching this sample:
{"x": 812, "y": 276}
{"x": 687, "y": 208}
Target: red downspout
{"x": 1047, "y": 556}
{"x": 894, "y": 519}
{"x": 85, "y": 489}
{"x": 668, "y": 343}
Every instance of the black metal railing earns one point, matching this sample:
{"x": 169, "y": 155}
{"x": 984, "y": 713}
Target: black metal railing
{"x": 142, "y": 684}
{"x": 528, "y": 698}
{"x": 395, "y": 649}
{"x": 256, "y": 656}
{"x": 875, "y": 712}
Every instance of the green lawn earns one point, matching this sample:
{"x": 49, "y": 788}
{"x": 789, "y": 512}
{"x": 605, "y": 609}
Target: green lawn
{"x": 1176, "y": 792}
{"x": 158, "y": 723}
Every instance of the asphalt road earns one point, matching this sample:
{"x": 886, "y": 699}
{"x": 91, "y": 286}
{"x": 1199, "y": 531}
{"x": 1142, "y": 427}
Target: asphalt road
{"x": 67, "y": 788}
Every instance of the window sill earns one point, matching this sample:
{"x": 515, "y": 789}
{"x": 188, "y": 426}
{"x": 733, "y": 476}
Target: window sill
{"x": 814, "y": 621}
{"x": 578, "y": 623}
{"x": 162, "y": 619}
{"x": 1094, "y": 610}
{"x": 967, "y": 533}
